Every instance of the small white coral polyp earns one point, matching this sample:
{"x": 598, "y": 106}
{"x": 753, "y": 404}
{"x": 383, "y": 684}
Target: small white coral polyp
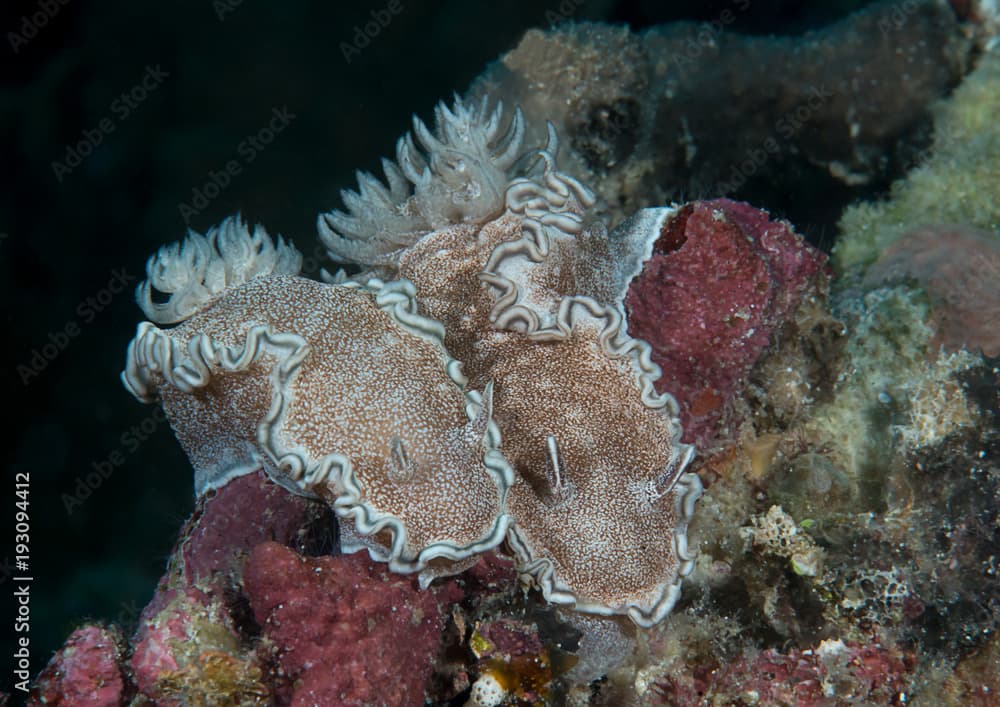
{"x": 491, "y": 389}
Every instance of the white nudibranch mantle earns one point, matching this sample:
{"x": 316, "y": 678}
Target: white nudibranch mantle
{"x": 474, "y": 385}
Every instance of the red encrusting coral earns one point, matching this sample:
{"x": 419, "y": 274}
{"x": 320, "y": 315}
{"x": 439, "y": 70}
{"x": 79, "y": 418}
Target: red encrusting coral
{"x": 236, "y": 518}
{"x": 85, "y": 672}
{"x": 722, "y": 279}
{"x": 237, "y": 565}
{"x": 345, "y": 630}
{"x": 188, "y": 643}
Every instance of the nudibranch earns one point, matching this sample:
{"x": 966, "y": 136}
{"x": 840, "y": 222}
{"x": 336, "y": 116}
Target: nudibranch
{"x": 344, "y": 392}
{"x": 494, "y": 241}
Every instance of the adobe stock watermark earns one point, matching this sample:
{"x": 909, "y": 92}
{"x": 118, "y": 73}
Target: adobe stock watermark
{"x": 562, "y": 13}
{"x": 224, "y": 8}
{"x": 314, "y": 261}
{"x": 897, "y": 15}
{"x": 119, "y": 111}
{"x": 707, "y": 34}
{"x": 34, "y": 23}
{"x": 364, "y": 34}
{"x": 787, "y": 127}
{"x": 23, "y": 581}
{"x": 60, "y": 339}
{"x": 101, "y": 470}
{"x": 247, "y": 151}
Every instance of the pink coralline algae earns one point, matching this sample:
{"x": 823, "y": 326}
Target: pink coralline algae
{"x": 187, "y": 640}
{"x": 188, "y": 648}
{"x": 236, "y": 518}
{"x": 959, "y": 267}
{"x": 86, "y": 672}
{"x": 721, "y": 279}
{"x": 344, "y": 630}
{"x": 240, "y": 617}
{"x": 507, "y": 639}
{"x": 188, "y": 645}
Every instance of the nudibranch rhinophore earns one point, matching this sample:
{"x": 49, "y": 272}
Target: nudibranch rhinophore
{"x": 475, "y": 382}
{"x": 341, "y": 391}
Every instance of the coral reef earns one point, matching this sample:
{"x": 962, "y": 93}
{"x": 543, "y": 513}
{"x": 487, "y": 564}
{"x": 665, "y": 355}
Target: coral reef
{"x": 694, "y": 109}
{"x": 514, "y": 288}
{"x": 890, "y": 392}
{"x": 959, "y": 268}
{"x": 187, "y": 648}
{"x": 513, "y": 662}
{"x": 242, "y": 619}
{"x": 976, "y": 679}
{"x": 87, "y": 670}
{"x": 534, "y": 334}
{"x": 956, "y": 183}
{"x": 778, "y": 534}
{"x": 348, "y": 391}
{"x": 832, "y": 673}
{"x": 343, "y": 630}
{"x": 876, "y": 574}
{"x": 721, "y": 281}
{"x": 190, "y": 645}
{"x": 492, "y": 395}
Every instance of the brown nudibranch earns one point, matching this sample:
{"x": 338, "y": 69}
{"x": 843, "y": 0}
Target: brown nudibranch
{"x": 476, "y": 382}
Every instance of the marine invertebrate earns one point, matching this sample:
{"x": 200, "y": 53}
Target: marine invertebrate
{"x": 939, "y": 405}
{"x": 459, "y": 176}
{"x": 599, "y": 504}
{"x": 486, "y": 692}
{"x": 542, "y": 297}
{"x": 87, "y": 669}
{"x": 718, "y": 281}
{"x": 388, "y": 399}
{"x": 513, "y": 661}
{"x": 351, "y": 398}
{"x": 200, "y": 268}
{"x": 777, "y": 533}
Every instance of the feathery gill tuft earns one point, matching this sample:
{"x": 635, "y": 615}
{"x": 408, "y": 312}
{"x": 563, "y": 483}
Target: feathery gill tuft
{"x": 456, "y": 174}
{"x": 198, "y": 269}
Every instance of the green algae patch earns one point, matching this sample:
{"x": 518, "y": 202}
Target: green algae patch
{"x": 957, "y": 181}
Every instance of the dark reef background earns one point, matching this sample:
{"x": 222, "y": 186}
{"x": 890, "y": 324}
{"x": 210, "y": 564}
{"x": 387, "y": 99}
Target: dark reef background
{"x": 109, "y": 486}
